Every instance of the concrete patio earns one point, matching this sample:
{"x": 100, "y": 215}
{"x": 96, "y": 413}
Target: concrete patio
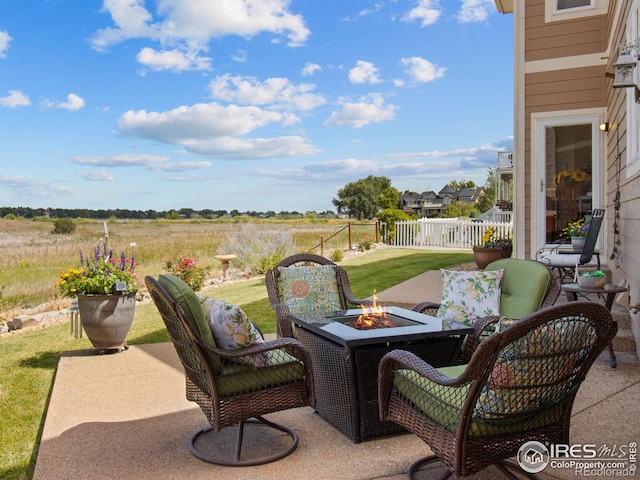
{"x": 126, "y": 416}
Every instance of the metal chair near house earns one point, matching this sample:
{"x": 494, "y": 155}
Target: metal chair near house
{"x": 565, "y": 260}
{"x": 308, "y": 283}
{"x": 518, "y": 388}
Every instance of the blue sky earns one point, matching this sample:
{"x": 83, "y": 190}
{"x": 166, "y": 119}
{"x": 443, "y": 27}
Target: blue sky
{"x": 247, "y": 104}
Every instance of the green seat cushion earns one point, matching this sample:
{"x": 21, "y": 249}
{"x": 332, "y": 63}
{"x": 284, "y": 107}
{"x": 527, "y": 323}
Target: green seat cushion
{"x": 524, "y": 286}
{"x": 184, "y": 296}
{"x": 239, "y": 378}
{"x": 443, "y": 405}
{"x": 309, "y": 289}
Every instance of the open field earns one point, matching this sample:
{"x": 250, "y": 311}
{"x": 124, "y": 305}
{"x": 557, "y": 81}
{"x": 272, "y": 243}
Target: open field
{"x": 31, "y": 257}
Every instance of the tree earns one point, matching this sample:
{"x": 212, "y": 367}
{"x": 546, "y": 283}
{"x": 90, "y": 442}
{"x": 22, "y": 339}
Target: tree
{"x": 488, "y": 197}
{"x": 460, "y": 209}
{"x": 389, "y": 198}
{"x": 460, "y": 184}
{"x": 360, "y": 199}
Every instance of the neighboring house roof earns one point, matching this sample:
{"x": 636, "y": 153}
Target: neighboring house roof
{"x": 430, "y": 200}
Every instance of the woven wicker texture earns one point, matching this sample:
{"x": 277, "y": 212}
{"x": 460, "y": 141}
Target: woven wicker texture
{"x": 240, "y": 391}
{"x": 518, "y": 386}
{"x": 272, "y": 282}
{"x": 346, "y": 380}
{"x": 486, "y": 326}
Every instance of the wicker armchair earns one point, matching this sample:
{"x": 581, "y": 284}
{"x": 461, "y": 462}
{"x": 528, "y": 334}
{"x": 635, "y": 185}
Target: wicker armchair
{"x": 339, "y": 289}
{"x": 226, "y": 384}
{"x": 519, "y": 386}
{"x": 541, "y": 291}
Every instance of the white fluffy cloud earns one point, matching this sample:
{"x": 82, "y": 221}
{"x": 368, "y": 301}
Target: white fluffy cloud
{"x": 73, "y": 103}
{"x": 277, "y": 93}
{"x": 175, "y": 60}
{"x": 15, "y": 99}
{"x": 364, "y": 72}
{"x": 5, "y": 39}
{"x": 475, "y": 10}
{"x": 370, "y": 109}
{"x": 427, "y": 12}
{"x": 184, "y": 27}
{"x": 214, "y": 130}
{"x": 96, "y": 176}
{"x": 422, "y": 70}
{"x": 310, "y": 69}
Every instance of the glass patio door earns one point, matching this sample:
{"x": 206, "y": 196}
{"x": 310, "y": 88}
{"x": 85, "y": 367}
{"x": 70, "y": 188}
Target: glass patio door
{"x": 569, "y": 154}
{"x": 567, "y": 148}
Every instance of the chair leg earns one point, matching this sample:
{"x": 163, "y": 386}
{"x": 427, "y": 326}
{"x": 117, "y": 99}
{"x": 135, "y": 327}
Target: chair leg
{"x": 237, "y": 462}
{"x": 508, "y": 467}
{"x": 416, "y": 466}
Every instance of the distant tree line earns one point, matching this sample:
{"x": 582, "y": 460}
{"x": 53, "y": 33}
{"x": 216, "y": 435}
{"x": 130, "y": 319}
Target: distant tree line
{"x": 125, "y": 214}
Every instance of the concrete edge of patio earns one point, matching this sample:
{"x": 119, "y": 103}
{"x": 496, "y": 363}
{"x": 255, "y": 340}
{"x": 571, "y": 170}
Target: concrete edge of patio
{"x": 126, "y": 415}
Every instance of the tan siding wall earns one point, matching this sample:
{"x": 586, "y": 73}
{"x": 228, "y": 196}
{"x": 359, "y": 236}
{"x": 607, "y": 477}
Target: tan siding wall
{"x": 558, "y": 90}
{"x": 561, "y": 39}
{"x": 625, "y": 269}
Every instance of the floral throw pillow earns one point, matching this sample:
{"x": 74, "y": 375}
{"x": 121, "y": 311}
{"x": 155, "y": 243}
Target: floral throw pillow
{"x": 468, "y": 296}
{"x": 311, "y": 289}
{"x": 232, "y": 329}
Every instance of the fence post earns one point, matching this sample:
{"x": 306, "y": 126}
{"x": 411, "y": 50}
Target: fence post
{"x": 377, "y": 231}
{"x": 350, "y": 244}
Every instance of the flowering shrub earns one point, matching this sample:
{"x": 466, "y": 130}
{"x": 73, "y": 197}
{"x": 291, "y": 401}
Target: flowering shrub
{"x": 186, "y": 269}
{"x": 577, "y": 228}
{"x": 489, "y": 239}
{"x": 100, "y": 274}
{"x": 258, "y": 250}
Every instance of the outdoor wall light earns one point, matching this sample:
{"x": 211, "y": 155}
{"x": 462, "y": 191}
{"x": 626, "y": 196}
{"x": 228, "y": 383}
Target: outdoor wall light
{"x": 604, "y": 127}
{"x": 625, "y": 66}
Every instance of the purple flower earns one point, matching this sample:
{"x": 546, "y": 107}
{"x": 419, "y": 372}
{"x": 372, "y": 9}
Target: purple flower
{"x": 123, "y": 261}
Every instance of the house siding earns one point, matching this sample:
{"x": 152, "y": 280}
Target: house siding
{"x": 549, "y": 89}
{"x": 568, "y": 38}
{"x": 573, "y": 89}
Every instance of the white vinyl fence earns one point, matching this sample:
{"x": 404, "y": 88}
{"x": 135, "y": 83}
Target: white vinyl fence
{"x": 446, "y": 232}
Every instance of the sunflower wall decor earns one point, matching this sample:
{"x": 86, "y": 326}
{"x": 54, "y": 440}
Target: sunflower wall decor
{"x": 566, "y": 177}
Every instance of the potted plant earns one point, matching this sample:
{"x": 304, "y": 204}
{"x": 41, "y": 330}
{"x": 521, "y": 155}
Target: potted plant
{"x": 576, "y": 231}
{"x": 492, "y": 248}
{"x": 105, "y": 288}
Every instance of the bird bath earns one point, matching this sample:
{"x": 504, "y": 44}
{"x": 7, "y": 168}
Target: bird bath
{"x": 225, "y": 260}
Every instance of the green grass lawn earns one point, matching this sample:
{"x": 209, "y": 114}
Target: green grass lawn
{"x": 29, "y": 360}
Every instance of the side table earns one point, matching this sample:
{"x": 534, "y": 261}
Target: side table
{"x": 608, "y": 292}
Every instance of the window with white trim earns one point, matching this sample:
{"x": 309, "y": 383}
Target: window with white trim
{"x": 563, "y": 10}
{"x": 633, "y": 100}
{"x": 567, "y": 4}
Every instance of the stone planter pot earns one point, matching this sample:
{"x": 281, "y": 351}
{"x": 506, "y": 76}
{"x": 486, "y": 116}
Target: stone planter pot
{"x": 484, "y": 256}
{"x": 578, "y": 242}
{"x": 106, "y": 320}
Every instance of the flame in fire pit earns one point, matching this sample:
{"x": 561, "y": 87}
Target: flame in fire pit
{"x": 374, "y": 316}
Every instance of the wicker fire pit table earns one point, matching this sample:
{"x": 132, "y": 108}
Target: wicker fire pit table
{"x": 345, "y": 362}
